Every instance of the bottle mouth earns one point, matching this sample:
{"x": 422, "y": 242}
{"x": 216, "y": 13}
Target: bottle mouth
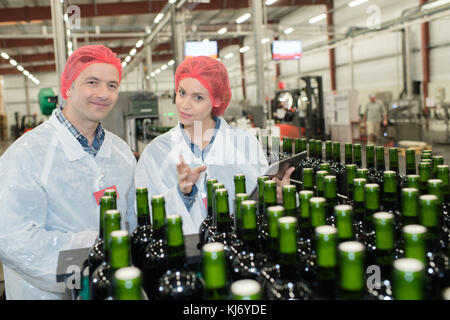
{"x": 326, "y": 230}
{"x": 414, "y": 229}
{"x": 409, "y": 265}
{"x": 213, "y": 247}
{"x": 127, "y": 273}
{"x": 351, "y": 246}
{"x": 245, "y": 287}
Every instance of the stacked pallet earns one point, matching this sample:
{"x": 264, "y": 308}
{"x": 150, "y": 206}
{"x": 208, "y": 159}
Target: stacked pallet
{"x": 419, "y": 146}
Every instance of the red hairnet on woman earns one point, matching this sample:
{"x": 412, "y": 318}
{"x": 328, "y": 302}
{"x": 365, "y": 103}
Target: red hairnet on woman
{"x": 201, "y": 146}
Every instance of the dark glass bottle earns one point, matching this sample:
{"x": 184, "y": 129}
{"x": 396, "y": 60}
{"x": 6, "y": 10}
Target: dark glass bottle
{"x": 155, "y": 256}
{"x": 96, "y": 253}
{"x": 372, "y": 205}
{"x": 384, "y": 255}
{"x": 390, "y": 200}
{"x": 410, "y": 206}
{"x": 127, "y": 284}
{"x": 288, "y": 284}
{"x": 325, "y": 280}
{"x": 260, "y": 214}
{"x": 303, "y": 162}
{"x": 329, "y": 151}
{"x": 331, "y": 197}
{"x": 237, "y": 221}
{"x": 317, "y": 207}
{"x": 270, "y": 200}
{"x": 436, "y": 161}
{"x": 424, "y": 176}
{"x": 357, "y": 155}
{"x": 317, "y": 159}
{"x": 320, "y": 183}
{"x": 351, "y": 284}
{"x": 408, "y": 282}
{"x": 344, "y": 222}
{"x": 287, "y": 147}
{"x": 305, "y": 228}
{"x": 380, "y": 166}
{"x": 239, "y": 187}
{"x": 297, "y": 146}
{"x": 443, "y": 175}
{"x": 308, "y": 179}
{"x": 394, "y": 166}
{"x": 214, "y": 273}
{"x": 250, "y": 259}
{"x": 213, "y": 226}
{"x": 362, "y": 173}
{"x": 178, "y": 282}
{"x": 370, "y": 163}
{"x": 350, "y": 170}
{"x": 208, "y": 221}
{"x": 142, "y": 235}
{"x": 246, "y": 289}
{"x": 413, "y": 181}
{"x": 326, "y": 166}
{"x": 290, "y": 200}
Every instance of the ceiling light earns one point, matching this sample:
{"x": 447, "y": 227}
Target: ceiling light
{"x": 172, "y": 1}
{"x": 318, "y": 18}
{"x": 20, "y": 68}
{"x": 5, "y": 55}
{"x": 139, "y": 43}
{"x": 127, "y": 59}
{"x": 171, "y": 62}
{"x": 13, "y": 62}
{"x": 229, "y": 55}
{"x": 222, "y": 30}
{"x": 163, "y": 67}
{"x": 26, "y": 73}
{"x": 124, "y": 64}
{"x": 269, "y": 2}
{"x": 152, "y": 74}
{"x": 355, "y": 3}
{"x": 243, "y": 18}
{"x": 288, "y": 30}
{"x": 244, "y": 49}
{"x": 159, "y": 17}
{"x": 265, "y": 40}
{"x": 158, "y": 71}
{"x": 435, "y": 4}
{"x": 70, "y": 45}
{"x": 133, "y": 52}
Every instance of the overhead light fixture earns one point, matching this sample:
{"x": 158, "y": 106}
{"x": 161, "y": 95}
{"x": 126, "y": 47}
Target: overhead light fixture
{"x": 172, "y": 1}
{"x": 159, "y": 17}
{"x": 70, "y": 45}
{"x": 158, "y": 71}
{"x": 288, "y": 30}
{"x": 20, "y": 68}
{"x": 171, "y": 62}
{"x": 66, "y": 17}
{"x": 148, "y": 30}
{"x": 435, "y": 4}
{"x": 152, "y": 74}
{"x": 222, "y": 30}
{"x": 243, "y": 18}
{"x": 164, "y": 67}
{"x": 139, "y": 43}
{"x": 4, "y": 55}
{"x": 13, "y": 62}
{"x": 265, "y": 40}
{"x": 244, "y": 49}
{"x": 355, "y": 3}
{"x": 229, "y": 55}
{"x": 318, "y": 18}
{"x": 124, "y": 64}
{"x": 26, "y": 73}
{"x": 133, "y": 52}
{"x": 127, "y": 59}
{"x": 270, "y": 2}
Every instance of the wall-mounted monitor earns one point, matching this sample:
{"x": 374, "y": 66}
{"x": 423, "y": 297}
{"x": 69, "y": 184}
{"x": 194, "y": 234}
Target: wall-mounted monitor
{"x": 286, "y": 49}
{"x": 200, "y": 48}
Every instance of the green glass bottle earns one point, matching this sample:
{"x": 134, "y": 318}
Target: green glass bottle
{"x": 250, "y": 258}
{"x": 413, "y": 181}
{"x": 359, "y": 208}
{"x": 337, "y": 169}
{"x": 270, "y": 200}
{"x": 408, "y": 281}
{"x": 380, "y": 166}
{"x": 304, "y": 223}
{"x": 344, "y": 222}
{"x": 348, "y": 153}
{"x": 261, "y": 181}
{"x": 390, "y": 192}
{"x": 213, "y": 227}
{"x": 215, "y": 272}
{"x": 410, "y": 206}
{"x": 287, "y": 147}
{"x": 155, "y": 257}
{"x": 317, "y": 211}
{"x": 127, "y": 284}
{"x": 246, "y": 289}
{"x": 297, "y": 146}
{"x": 443, "y": 175}
{"x": 290, "y": 200}
{"x": 350, "y": 176}
{"x": 372, "y": 205}
{"x": 370, "y": 163}
{"x": 237, "y": 221}
{"x": 436, "y": 161}
{"x": 329, "y": 151}
{"x": 96, "y": 253}
{"x": 424, "y": 176}
{"x": 410, "y": 157}
{"x": 289, "y": 285}
{"x": 178, "y": 282}
{"x": 208, "y": 221}
{"x": 308, "y": 179}
{"x": 362, "y": 173}
{"x": 143, "y": 234}
{"x": 320, "y": 183}
{"x": 325, "y": 166}
{"x": 239, "y": 183}
{"x": 434, "y": 186}
{"x": 325, "y": 281}
{"x": 357, "y": 155}
{"x": 303, "y": 162}
{"x": 317, "y": 160}
{"x": 351, "y": 271}
{"x": 118, "y": 255}
{"x": 111, "y": 193}
{"x": 393, "y": 160}
{"x": 331, "y": 197}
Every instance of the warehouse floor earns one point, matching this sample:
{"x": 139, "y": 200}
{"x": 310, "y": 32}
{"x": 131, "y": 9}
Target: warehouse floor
{"x": 437, "y": 150}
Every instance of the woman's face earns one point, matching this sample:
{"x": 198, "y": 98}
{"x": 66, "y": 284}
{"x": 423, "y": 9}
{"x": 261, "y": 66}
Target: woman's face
{"x": 192, "y": 101}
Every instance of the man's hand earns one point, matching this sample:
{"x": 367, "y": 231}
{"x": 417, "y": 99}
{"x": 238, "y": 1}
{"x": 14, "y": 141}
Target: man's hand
{"x": 187, "y": 176}
{"x": 284, "y": 181}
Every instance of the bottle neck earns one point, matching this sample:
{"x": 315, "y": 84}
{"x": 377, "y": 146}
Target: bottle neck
{"x": 176, "y": 257}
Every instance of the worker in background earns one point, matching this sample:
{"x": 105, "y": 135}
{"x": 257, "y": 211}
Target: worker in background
{"x": 178, "y": 163}
{"x": 52, "y": 176}
{"x": 374, "y": 115}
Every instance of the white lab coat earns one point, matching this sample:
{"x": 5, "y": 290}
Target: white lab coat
{"x": 47, "y": 204}
{"x": 233, "y": 151}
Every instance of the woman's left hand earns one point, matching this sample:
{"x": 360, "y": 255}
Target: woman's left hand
{"x": 284, "y": 181}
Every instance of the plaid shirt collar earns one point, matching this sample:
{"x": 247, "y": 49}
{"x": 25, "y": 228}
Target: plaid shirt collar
{"x": 98, "y": 138}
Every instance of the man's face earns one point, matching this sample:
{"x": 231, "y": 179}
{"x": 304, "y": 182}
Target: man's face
{"x": 94, "y": 93}
{"x": 373, "y": 99}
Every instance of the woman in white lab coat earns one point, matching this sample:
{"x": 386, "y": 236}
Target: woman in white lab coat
{"x": 201, "y": 146}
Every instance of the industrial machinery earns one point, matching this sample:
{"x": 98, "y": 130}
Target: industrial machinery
{"x": 405, "y": 120}
{"x": 315, "y": 118}
{"x": 47, "y": 101}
